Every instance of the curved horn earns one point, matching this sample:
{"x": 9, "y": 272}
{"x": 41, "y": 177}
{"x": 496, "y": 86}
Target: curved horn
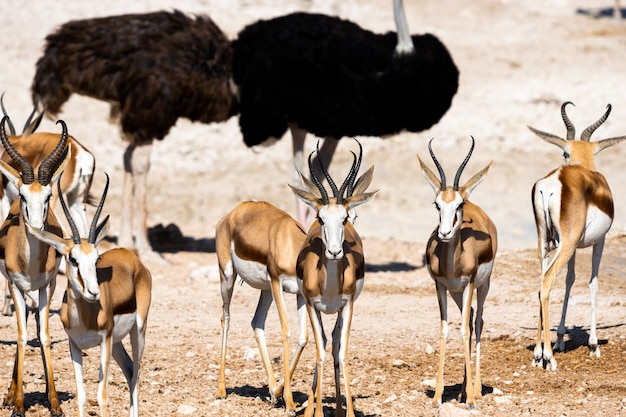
{"x": 457, "y": 177}
{"x": 355, "y": 170}
{"x": 442, "y": 175}
{"x": 317, "y": 181}
{"x": 332, "y": 184}
{"x": 51, "y": 163}
{"x": 31, "y": 125}
{"x": 26, "y": 169}
{"x": 94, "y": 229}
{"x": 571, "y": 130}
{"x": 348, "y": 179}
{"x": 68, "y": 215}
{"x": 4, "y": 113}
{"x": 586, "y": 135}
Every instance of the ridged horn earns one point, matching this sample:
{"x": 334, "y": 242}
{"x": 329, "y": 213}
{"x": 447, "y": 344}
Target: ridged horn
{"x": 355, "y": 170}
{"x": 51, "y": 163}
{"x": 26, "y": 170}
{"x": 68, "y": 215}
{"x": 31, "y": 125}
{"x": 586, "y": 135}
{"x": 571, "y": 130}
{"x": 457, "y": 177}
{"x": 95, "y": 229}
{"x": 442, "y": 175}
{"x": 316, "y": 180}
{"x": 348, "y": 179}
{"x": 331, "y": 183}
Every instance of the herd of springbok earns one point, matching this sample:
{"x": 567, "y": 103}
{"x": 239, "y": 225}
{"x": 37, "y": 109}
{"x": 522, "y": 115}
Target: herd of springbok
{"x": 108, "y": 294}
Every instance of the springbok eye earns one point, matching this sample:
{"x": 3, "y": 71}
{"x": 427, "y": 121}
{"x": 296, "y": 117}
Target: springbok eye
{"x": 437, "y": 206}
{"x": 72, "y": 260}
{"x": 321, "y": 222}
{"x": 566, "y": 155}
{"x": 460, "y": 207}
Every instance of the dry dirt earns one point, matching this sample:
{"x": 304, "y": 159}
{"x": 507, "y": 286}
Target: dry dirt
{"x": 518, "y": 61}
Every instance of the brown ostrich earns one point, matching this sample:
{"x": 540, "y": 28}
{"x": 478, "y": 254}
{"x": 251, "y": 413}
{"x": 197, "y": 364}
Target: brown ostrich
{"x": 153, "y": 68}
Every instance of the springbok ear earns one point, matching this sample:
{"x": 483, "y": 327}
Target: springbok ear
{"x": 432, "y": 179}
{"x": 364, "y": 181}
{"x": 550, "y": 138}
{"x": 63, "y": 164}
{"x": 307, "y": 197}
{"x": 357, "y": 200}
{"x": 309, "y": 185}
{"x": 473, "y": 182}
{"x": 11, "y": 173}
{"x": 102, "y": 229}
{"x": 606, "y": 143}
{"x": 57, "y": 242}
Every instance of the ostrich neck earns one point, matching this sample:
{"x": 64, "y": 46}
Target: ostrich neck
{"x": 405, "y": 43}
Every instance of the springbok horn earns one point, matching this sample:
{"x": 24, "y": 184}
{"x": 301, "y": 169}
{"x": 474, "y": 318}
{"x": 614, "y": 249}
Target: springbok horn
{"x": 442, "y": 175}
{"x": 348, "y": 179}
{"x": 571, "y": 130}
{"x": 331, "y": 183}
{"x": 26, "y": 169}
{"x": 51, "y": 163}
{"x": 586, "y": 135}
{"x": 457, "y": 177}
{"x": 317, "y": 180}
{"x": 4, "y": 113}
{"x": 29, "y": 128}
{"x": 95, "y": 229}
{"x": 350, "y": 188}
{"x": 68, "y": 215}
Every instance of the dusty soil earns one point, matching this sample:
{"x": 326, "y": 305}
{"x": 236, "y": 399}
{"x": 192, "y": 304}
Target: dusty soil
{"x": 519, "y": 61}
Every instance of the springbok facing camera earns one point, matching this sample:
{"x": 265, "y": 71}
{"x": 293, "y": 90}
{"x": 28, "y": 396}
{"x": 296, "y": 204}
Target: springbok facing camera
{"x": 260, "y": 243}
{"x": 460, "y": 254}
{"x": 107, "y": 298}
{"x": 331, "y": 270}
{"x": 573, "y": 208}
{"x": 30, "y": 265}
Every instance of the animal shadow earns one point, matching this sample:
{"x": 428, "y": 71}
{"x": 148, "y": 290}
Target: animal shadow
{"x": 455, "y": 392}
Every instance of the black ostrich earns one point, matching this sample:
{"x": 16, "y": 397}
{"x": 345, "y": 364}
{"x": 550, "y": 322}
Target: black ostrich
{"x": 153, "y": 68}
{"x": 327, "y": 76}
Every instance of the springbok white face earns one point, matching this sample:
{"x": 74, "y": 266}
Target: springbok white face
{"x": 332, "y": 219}
{"x": 81, "y": 255}
{"x": 34, "y": 193}
{"x": 35, "y": 202}
{"x": 333, "y": 213}
{"x": 449, "y": 200}
{"x": 449, "y": 203}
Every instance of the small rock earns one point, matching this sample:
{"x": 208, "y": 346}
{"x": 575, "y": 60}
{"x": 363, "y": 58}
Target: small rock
{"x": 390, "y": 399}
{"x": 186, "y": 409}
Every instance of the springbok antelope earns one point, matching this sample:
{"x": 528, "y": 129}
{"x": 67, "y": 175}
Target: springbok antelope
{"x": 75, "y": 182}
{"x": 107, "y": 298}
{"x": 76, "y": 179}
{"x": 30, "y": 265}
{"x": 460, "y": 254}
{"x": 331, "y": 271}
{"x": 573, "y": 208}
{"x": 260, "y": 243}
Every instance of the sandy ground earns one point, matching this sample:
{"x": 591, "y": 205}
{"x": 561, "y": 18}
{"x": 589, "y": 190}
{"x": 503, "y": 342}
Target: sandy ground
{"x": 518, "y": 61}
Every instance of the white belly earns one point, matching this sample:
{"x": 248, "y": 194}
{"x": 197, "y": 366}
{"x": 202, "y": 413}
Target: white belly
{"x": 253, "y": 273}
{"x": 596, "y": 226}
{"x": 123, "y": 324}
